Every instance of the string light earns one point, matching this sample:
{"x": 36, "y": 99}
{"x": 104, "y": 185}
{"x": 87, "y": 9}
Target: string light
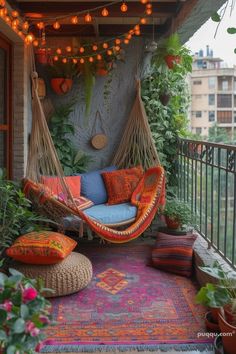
{"x": 68, "y": 49}
{"x": 136, "y": 28}
{"x": 55, "y": 58}
{"x": 35, "y": 43}
{"x": 2, "y": 3}
{"x": 126, "y": 41}
{"x": 7, "y": 19}
{"x": 1, "y": 12}
{"x": 117, "y": 41}
{"x": 88, "y": 17}
{"x": 99, "y": 57}
{"x": 129, "y": 36}
{"x": 144, "y": 1}
{"x": 74, "y": 20}
{"x": 81, "y": 49}
{"x": 64, "y": 60}
{"x": 25, "y": 25}
{"x": 75, "y": 61}
{"x": 105, "y": 45}
{"x": 137, "y": 33}
{"x": 15, "y": 23}
{"x": 105, "y": 12}
{"x": 148, "y": 6}
{"x": 29, "y": 38}
{"x": 81, "y": 61}
{"x": 95, "y": 47}
{"x": 56, "y": 25}
{"x": 117, "y": 48}
{"x": 148, "y": 11}
{"x": 109, "y": 52}
{"x": 91, "y": 59}
{"x": 40, "y": 25}
{"x": 59, "y": 51}
{"x": 15, "y": 13}
{"x": 143, "y": 20}
{"x": 124, "y": 7}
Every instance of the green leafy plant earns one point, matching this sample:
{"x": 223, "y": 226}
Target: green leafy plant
{"x": 16, "y": 217}
{"x": 212, "y": 296}
{"x": 24, "y": 313}
{"x": 67, "y": 70}
{"x": 178, "y": 211}
{"x": 72, "y": 160}
{"x": 173, "y": 47}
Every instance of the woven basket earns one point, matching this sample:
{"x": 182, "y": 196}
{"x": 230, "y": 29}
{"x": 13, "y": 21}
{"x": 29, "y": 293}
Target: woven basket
{"x": 99, "y": 141}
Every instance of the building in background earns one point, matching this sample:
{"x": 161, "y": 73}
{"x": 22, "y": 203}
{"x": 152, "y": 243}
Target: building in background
{"x": 213, "y": 94}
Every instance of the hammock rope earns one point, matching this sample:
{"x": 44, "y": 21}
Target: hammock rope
{"x": 136, "y": 147}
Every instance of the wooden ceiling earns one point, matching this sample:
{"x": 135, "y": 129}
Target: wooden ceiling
{"x": 116, "y": 23}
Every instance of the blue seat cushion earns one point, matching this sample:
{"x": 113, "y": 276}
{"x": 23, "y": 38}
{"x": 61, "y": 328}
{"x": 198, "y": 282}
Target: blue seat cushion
{"x": 112, "y": 214}
{"x": 93, "y": 187}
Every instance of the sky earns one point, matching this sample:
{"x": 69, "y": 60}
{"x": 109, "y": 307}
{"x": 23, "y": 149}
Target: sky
{"x": 223, "y": 44}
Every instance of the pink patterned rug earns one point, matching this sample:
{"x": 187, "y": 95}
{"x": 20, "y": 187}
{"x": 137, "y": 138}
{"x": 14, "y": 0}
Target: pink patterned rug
{"x": 128, "y": 306}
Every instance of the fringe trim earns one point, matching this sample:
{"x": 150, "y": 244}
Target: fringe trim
{"x": 201, "y": 347}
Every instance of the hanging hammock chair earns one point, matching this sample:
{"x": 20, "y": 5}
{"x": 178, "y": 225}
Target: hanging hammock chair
{"x": 136, "y": 146}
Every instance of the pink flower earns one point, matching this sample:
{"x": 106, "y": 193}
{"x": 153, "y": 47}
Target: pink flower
{"x": 44, "y": 319}
{"x": 29, "y": 294}
{"x": 7, "y": 305}
{"x": 38, "y": 347}
{"x": 35, "y": 332}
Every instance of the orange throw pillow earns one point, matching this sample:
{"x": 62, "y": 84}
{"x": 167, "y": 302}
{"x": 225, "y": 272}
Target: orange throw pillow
{"x": 54, "y": 184}
{"x": 120, "y": 184}
{"x": 41, "y": 247}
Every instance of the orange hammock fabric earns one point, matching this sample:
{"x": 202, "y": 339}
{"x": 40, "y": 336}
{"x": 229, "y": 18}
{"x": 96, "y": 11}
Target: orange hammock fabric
{"x": 148, "y": 196}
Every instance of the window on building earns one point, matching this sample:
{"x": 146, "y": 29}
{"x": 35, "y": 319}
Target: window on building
{"x": 225, "y": 85}
{"x": 224, "y": 101}
{"x": 224, "y": 117}
{"x": 198, "y": 114}
{"x": 234, "y": 85}
{"x": 211, "y": 82}
{"x": 234, "y": 117}
{"x": 211, "y": 100}
{"x": 197, "y": 82}
{"x": 198, "y": 130}
{"x": 211, "y": 116}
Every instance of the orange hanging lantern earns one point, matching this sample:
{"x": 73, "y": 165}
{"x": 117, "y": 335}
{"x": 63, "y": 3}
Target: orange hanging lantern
{"x": 124, "y": 7}
{"x": 56, "y": 25}
{"x": 91, "y": 59}
{"x": 99, "y": 57}
{"x": 64, "y": 60}
{"x": 137, "y": 33}
{"x": 74, "y": 20}
{"x": 81, "y": 61}
{"x": 81, "y": 49}
{"x": 95, "y": 47}
{"x": 129, "y": 36}
{"x": 149, "y": 11}
{"x": 109, "y": 52}
{"x": 29, "y": 38}
{"x": 88, "y": 18}
{"x": 2, "y": 3}
{"x": 126, "y": 41}
{"x": 149, "y": 6}
{"x": 55, "y": 58}
{"x": 15, "y": 23}
{"x": 59, "y": 51}
{"x": 68, "y": 49}
{"x": 105, "y": 45}
{"x": 15, "y": 13}
{"x": 1, "y": 12}
{"x": 117, "y": 41}
{"x": 35, "y": 43}
{"x": 7, "y": 19}
{"x": 25, "y": 25}
{"x": 144, "y": 1}
{"x": 117, "y": 48}
{"x": 75, "y": 61}
{"x": 105, "y": 12}
{"x": 143, "y": 20}
{"x": 40, "y": 25}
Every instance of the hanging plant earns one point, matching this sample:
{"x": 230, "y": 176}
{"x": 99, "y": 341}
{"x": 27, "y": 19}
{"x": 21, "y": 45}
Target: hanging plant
{"x": 62, "y": 75}
{"x": 89, "y": 82}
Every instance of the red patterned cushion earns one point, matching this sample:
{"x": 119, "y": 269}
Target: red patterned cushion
{"x": 120, "y": 184}
{"x": 79, "y": 203}
{"x": 174, "y": 253}
{"x": 54, "y": 184}
{"x": 41, "y": 247}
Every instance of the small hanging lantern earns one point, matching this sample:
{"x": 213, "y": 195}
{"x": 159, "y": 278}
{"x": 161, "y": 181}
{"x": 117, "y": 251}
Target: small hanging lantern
{"x": 55, "y": 58}
{"x": 15, "y": 13}
{"x": 99, "y": 57}
{"x": 81, "y": 49}
{"x": 56, "y": 25}
{"x": 81, "y": 61}
{"x": 124, "y": 7}
{"x": 95, "y": 47}
{"x": 88, "y": 18}
{"x": 105, "y": 45}
{"x": 143, "y": 20}
{"x": 25, "y": 25}
{"x": 59, "y": 51}
{"x": 74, "y": 20}
{"x": 105, "y": 12}
{"x": 68, "y": 49}
{"x": 64, "y": 60}
{"x": 40, "y": 25}
{"x": 91, "y": 59}
{"x": 75, "y": 61}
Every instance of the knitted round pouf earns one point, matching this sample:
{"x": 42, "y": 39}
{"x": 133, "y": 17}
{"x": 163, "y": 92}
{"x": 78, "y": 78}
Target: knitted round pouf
{"x": 69, "y": 276}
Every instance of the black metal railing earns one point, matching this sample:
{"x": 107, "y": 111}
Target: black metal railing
{"x": 207, "y": 181}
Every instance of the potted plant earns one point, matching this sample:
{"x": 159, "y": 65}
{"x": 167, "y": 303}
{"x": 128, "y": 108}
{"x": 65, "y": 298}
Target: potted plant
{"x": 62, "y": 75}
{"x": 177, "y": 214}
{"x": 171, "y": 52}
{"x": 24, "y": 313}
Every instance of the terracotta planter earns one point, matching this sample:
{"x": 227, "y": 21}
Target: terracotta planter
{"x": 218, "y": 345}
{"x": 172, "y": 223}
{"x": 211, "y": 325}
{"x": 230, "y": 318}
{"x": 164, "y": 98}
{"x": 103, "y": 69}
{"x": 61, "y": 86}
{"x": 214, "y": 313}
{"x": 228, "y": 335}
{"x": 171, "y": 60}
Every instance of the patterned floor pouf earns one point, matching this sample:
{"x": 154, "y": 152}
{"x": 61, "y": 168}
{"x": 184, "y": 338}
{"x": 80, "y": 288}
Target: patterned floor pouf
{"x": 69, "y": 276}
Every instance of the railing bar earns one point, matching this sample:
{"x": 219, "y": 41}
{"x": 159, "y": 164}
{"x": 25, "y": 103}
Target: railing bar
{"x": 234, "y": 213}
{"x": 192, "y": 183}
{"x": 206, "y": 193}
{"x": 201, "y": 189}
{"x": 184, "y": 179}
{"x": 195, "y": 181}
{"x": 210, "y": 164}
{"x": 188, "y": 178}
{"x": 212, "y": 196}
{"x": 181, "y": 164}
{"x": 207, "y": 143}
{"x": 218, "y": 200}
{"x": 226, "y": 204}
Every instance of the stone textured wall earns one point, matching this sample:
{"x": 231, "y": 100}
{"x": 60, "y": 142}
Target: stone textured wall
{"x": 114, "y": 110}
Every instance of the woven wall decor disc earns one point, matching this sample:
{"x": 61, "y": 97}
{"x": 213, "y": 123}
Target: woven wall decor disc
{"x": 99, "y": 141}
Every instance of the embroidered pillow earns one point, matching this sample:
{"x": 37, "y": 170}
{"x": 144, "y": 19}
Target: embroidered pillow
{"x": 54, "y": 184}
{"x": 120, "y": 184}
{"x": 79, "y": 203}
{"x": 41, "y": 247}
{"x": 174, "y": 253}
